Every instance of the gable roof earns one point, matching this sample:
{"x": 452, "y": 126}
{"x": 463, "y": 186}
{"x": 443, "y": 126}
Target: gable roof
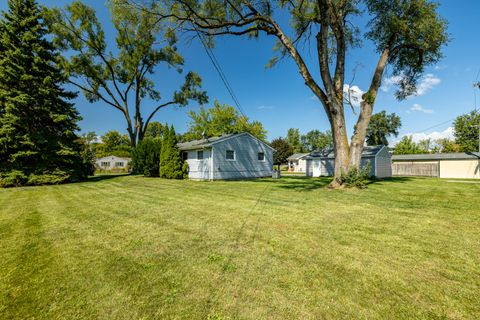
{"x": 368, "y": 152}
{"x": 207, "y": 143}
{"x": 112, "y": 157}
{"x": 297, "y": 156}
{"x": 437, "y": 156}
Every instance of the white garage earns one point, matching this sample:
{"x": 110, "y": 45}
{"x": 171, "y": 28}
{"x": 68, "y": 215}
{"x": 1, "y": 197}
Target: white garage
{"x": 323, "y": 163}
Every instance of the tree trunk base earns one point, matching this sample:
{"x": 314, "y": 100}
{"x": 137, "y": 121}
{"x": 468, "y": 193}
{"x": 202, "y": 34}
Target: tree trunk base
{"x": 335, "y": 184}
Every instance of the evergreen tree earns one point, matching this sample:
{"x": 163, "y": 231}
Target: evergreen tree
{"x": 37, "y": 123}
{"x": 171, "y": 163}
{"x": 146, "y": 157}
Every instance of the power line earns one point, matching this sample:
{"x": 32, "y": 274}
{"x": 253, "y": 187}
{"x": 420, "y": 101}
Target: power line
{"x": 220, "y": 72}
{"x": 435, "y": 126}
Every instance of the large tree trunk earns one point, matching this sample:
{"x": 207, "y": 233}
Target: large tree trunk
{"x": 341, "y": 148}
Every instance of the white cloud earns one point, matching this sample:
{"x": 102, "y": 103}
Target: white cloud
{"x": 389, "y": 82}
{"x": 441, "y": 67}
{"x": 426, "y": 83}
{"x": 263, "y": 107}
{"x": 418, "y": 108}
{"x": 433, "y": 136}
{"x": 353, "y": 94}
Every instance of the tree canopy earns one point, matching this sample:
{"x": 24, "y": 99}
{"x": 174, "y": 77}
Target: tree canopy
{"x": 219, "y": 120}
{"x": 381, "y": 126}
{"x": 121, "y": 78}
{"x": 407, "y": 34}
{"x": 315, "y": 140}
{"x": 283, "y": 150}
{"x": 467, "y": 131}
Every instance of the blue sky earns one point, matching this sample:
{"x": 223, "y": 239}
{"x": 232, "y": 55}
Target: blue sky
{"x": 278, "y": 97}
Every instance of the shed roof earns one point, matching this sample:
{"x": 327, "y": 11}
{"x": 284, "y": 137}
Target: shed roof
{"x": 368, "y": 151}
{"x": 297, "y": 156}
{"x": 436, "y": 156}
{"x": 206, "y": 143}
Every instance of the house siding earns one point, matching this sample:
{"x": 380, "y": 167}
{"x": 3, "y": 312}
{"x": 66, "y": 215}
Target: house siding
{"x": 383, "y": 164}
{"x": 246, "y": 163}
{"x": 199, "y": 169}
{"x": 460, "y": 169}
{"x": 327, "y": 166}
{"x": 112, "y": 161}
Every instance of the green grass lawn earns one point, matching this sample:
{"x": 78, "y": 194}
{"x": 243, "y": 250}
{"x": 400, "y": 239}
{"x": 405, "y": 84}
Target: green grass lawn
{"x": 143, "y": 248}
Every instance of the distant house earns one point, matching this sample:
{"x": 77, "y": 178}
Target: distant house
{"x": 297, "y": 162}
{"x": 465, "y": 165}
{"x": 112, "y": 163}
{"x": 323, "y": 163}
{"x": 233, "y": 156}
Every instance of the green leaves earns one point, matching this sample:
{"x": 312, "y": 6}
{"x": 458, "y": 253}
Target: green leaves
{"x": 221, "y": 119}
{"x": 381, "y": 126}
{"x": 118, "y": 74}
{"x": 414, "y": 33}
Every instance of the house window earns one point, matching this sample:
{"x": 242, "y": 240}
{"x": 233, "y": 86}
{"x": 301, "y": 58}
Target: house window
{"x": 105, "y": 164}
{"x": 184, "y": 155}
{"x": 118, "y": 164}
{"x": 199, "y": 155}
{"x": 261, "y": 156}
{"x": 230, "y": 155}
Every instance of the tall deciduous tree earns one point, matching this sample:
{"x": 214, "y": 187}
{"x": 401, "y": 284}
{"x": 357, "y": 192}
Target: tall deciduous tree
{"x": 407, "y": 34}
{"x": 294, "y": 139}
{"x": 37, "y": 121}
{"x": 382, "y": 126}
{"x": 467, "y": 131}
{"x": 221, "y": 119}
{"x": 283, "y": 150}
{"x": 407, "y": 146}
{"x": 122, "y": 79}
{"x": 316, "y": 140}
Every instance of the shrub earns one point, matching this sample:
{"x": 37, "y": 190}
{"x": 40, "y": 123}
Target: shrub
{"x": 185, "y": 170}
{"x": 357, "y": 178}
{"x": 55, "y": 177}
{"x": 146, "y": 157}
{"x": 14, "y": 178}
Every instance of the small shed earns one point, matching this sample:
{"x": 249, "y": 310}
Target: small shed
{"x": 232, "y": 156}
{"x": 463, "y": 165}
{"x": 297, "y": 162}
{"x": 112, "y": 163}
{"x": 378, "y": 157}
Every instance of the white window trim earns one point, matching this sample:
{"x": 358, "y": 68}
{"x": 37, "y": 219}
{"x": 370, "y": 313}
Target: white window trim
{"x": 203, "y": 155}
{"x": 264, "y": 157}
{"x": 234, "y": 155}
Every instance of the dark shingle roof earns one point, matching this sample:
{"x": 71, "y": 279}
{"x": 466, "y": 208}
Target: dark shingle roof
{"x": 436, "y": 156}
{"x": 368, "y": 151}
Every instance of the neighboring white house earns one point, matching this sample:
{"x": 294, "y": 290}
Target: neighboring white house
{"x": 323, "y": 163}
{"x": 112, "y": 163}
{"x": 233, "y": 156}
{"x": 297, "y": 162}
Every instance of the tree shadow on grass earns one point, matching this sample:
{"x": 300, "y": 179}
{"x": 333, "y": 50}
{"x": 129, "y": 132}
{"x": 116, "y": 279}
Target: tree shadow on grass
{"x": 297, "y": 183}
{"x": 101, "y": 177}
{"x": 303, "y": 183}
